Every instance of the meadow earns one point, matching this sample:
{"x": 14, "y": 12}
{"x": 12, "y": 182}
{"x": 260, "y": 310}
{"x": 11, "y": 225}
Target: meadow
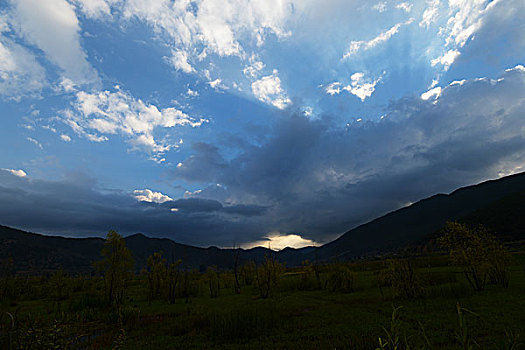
{"x": 352, "y": 305}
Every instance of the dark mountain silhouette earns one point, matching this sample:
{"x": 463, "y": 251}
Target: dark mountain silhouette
{"x": 37, "y": 254}
{"x": 497, "y": 204}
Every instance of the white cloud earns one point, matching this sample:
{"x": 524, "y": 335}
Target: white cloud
{"x": 219, "y": 25}
{"x": 96, "y": 138}
{"x": 53, "y": 26}
{"x": 150, "y": 196}
{"x": 179, "y": 60}
{"x": 430, "y": 14}
{"x": 65, "y": 138}
{"x": 446, "y": 59}
{"x": 361, "y": 86}
{"x": 19, "y": 172}
{"x": 434, "y": 92}
{"x": 458, "y": 82}
{"x": 268, "y": 89}
{"x": 67, "y": 85}
{"x": 405, "y": 6}
{"x": 96, "y": 115}
{"x": 356, "y": 46}
{"x": 517, "y": 68}
{"x": 253, "y": 69}
{"x": 192, "y": 93}
{"x": 35, "y": 142}
{"x": 95, "y": 8}
{"x": 308, "y": 111}
{"x": 217, "y": 83}
{"x": 380, "y": 7}
{"x": 189, "y": 194}
{"x": 20, "y": 73}
{"x": 467, "y": 19}
{"x": 334, "y": 88}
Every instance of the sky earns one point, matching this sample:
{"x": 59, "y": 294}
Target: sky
{"x": 251, "y": 122}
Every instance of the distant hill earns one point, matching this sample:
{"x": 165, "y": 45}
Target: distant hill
{"x": 37, "y": 254}
{"x": 497, "y": 204}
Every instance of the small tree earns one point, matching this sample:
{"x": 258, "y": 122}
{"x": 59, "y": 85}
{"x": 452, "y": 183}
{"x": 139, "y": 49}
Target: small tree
{"x": 156, "y": 274}
{"x": 498, "y": 259}
{"x": 58, "y": 285}
{"x": 116, "y": 266}
{"x": 340, "y": 278}
{"x": 403, "y": 278}
{"x": 236, "y": 272}
{"x": 477, "y": 252}
{"x": 267, "y": 275}
{"x": 214, "y": 283}
{"x": 172, "y": 279}
{"x": 248, "y": 273}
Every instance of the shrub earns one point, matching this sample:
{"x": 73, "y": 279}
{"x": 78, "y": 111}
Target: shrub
{"x": 477, "y": 252}
{"x": 214, "y": 283}
{"x": 267, "y": 275}
{"x": 58, "y": 285}
{"x": 403, "y": 278}
{"x": 340, "y": 279}
{"x": 248, "y": 273}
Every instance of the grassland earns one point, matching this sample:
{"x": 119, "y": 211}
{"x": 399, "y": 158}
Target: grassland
{"x": 300, "y": 313}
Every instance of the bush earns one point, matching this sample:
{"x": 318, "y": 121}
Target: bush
{"x": 248, "y": 273}
{"x": 403, "y": 278}
{"x": 214, "y": 283}
{"x": 267, "y": 275}
{"x": 477, "y": 252}
{"x": 340, "y": 279}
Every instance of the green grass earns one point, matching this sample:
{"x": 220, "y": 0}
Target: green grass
{"x": 291, "y": 318}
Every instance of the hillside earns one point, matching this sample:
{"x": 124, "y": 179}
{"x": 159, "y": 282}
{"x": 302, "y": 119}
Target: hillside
{"x": 498, "y": 204}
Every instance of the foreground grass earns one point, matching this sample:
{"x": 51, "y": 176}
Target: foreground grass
{"x": 292, "y": 318}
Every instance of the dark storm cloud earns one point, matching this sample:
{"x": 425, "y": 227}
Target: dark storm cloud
{"x": 321, "y": 180}
{"x": 310, "y": 176}
{"x": 76, "y": 207}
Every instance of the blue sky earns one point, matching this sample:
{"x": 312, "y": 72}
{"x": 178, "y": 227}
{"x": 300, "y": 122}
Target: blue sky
{"x": 219, "y": 121}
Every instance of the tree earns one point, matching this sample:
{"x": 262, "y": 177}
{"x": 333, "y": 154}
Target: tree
{"x": 403, "y": 278}
{"x": 248, "y": 272}
{"x": 236, "y": 253}
{"x": 267, "y": 275}
{"x": 340, "y": 278}
{"x": 156, "y": 274}
{"x": 214, "y": 283}
{"x": 116, "y": 266}
{"x": 172, "y": 279}
{"x": 477, "y": 252}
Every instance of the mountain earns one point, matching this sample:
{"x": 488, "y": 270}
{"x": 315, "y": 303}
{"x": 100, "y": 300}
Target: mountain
{"x": 497, "y": 204}
{"x": 35, "y": 253}
{"x": 39, "y": 254}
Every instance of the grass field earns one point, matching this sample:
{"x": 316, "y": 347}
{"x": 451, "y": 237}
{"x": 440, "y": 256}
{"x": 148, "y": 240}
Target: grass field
{"x": 63, "y": 312}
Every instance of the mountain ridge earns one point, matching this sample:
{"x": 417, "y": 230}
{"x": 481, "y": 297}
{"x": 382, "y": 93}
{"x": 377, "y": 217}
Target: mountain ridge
{"x": 499, "y": 204}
